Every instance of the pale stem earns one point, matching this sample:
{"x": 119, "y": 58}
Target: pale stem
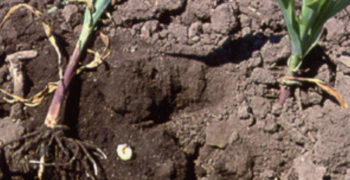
{"x": 51, "y": 119}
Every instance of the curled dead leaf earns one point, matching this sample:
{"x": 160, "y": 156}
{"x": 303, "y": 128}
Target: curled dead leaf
{"x": 98, "y": 58}
{"x": 325, "y": 87}
{"x": 32, "y": 101}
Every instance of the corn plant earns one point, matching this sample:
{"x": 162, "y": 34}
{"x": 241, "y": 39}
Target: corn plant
{"x": 304, "y": 32}
{"x": 50, "y": 134}
{"x": 89, "y": 25}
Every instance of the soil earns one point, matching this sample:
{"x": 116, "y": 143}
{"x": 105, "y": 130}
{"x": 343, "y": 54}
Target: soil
{"x": 191, "y": 86}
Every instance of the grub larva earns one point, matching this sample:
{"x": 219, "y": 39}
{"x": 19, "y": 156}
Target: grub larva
{"x": 124, "y": 152}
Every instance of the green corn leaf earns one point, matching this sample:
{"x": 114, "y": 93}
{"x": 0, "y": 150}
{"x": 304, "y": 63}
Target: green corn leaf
{"x": 292, "y": 23}
{"x": 314, "y": 15}
{"x": 305, "y": 30}
{"x": 91, "y": 19}
{"x": 310, "y": 31}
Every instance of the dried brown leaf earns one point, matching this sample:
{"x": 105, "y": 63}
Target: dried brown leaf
{"x": 93, "y": 64}
{"x": 333, "y": 93}
{"x": 325, "y": 87}
{"x": 34, "y": 100}
{"x": 98, "y": 58}
{"x": 105, "y": 40}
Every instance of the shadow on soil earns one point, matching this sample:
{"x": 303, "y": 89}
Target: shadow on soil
{"x": 234, "y": 50}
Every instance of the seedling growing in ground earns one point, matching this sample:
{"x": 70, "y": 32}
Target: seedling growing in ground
{"x": 49, "y": 137}
{"x": 89, "y": 26}
{"x": 304, "y": 32}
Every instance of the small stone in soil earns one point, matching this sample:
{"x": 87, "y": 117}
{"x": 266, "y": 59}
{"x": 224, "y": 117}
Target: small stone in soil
{"x": 218, "y": 134}
{"x": 243, "y": 111}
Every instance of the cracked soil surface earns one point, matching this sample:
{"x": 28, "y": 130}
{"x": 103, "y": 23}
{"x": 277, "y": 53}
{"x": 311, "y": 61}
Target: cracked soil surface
{"x": 192, "y": 86}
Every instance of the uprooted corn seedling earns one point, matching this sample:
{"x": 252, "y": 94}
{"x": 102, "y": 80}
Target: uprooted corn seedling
{"x": 304, "y": 32}
{"x": 49, "y": 139}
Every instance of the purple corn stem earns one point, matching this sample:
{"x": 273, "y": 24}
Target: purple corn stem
{"x": 51, "y": 119}
{"x": 284, "y": 94}
{"x": 90, "y": 20}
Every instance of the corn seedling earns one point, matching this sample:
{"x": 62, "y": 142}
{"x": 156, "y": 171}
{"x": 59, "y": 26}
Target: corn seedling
{"x": 304, "y": 32}
{"x": 51, "y": 133}
{"x": 90, "y": 20}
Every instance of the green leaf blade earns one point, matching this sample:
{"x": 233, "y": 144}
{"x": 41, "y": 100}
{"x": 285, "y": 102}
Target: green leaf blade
{"x": 305, "y": 31}
{"x": 314, "y": 15}
{"x": 90, "y": 20}
{"x": 292, "y": 23}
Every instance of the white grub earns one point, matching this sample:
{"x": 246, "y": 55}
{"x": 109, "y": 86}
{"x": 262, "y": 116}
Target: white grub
{"x": 124, "y": 152}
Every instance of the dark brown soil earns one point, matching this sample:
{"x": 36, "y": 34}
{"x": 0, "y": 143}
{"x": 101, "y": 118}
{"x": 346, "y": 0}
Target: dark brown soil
{"x": 192, "y": 86}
